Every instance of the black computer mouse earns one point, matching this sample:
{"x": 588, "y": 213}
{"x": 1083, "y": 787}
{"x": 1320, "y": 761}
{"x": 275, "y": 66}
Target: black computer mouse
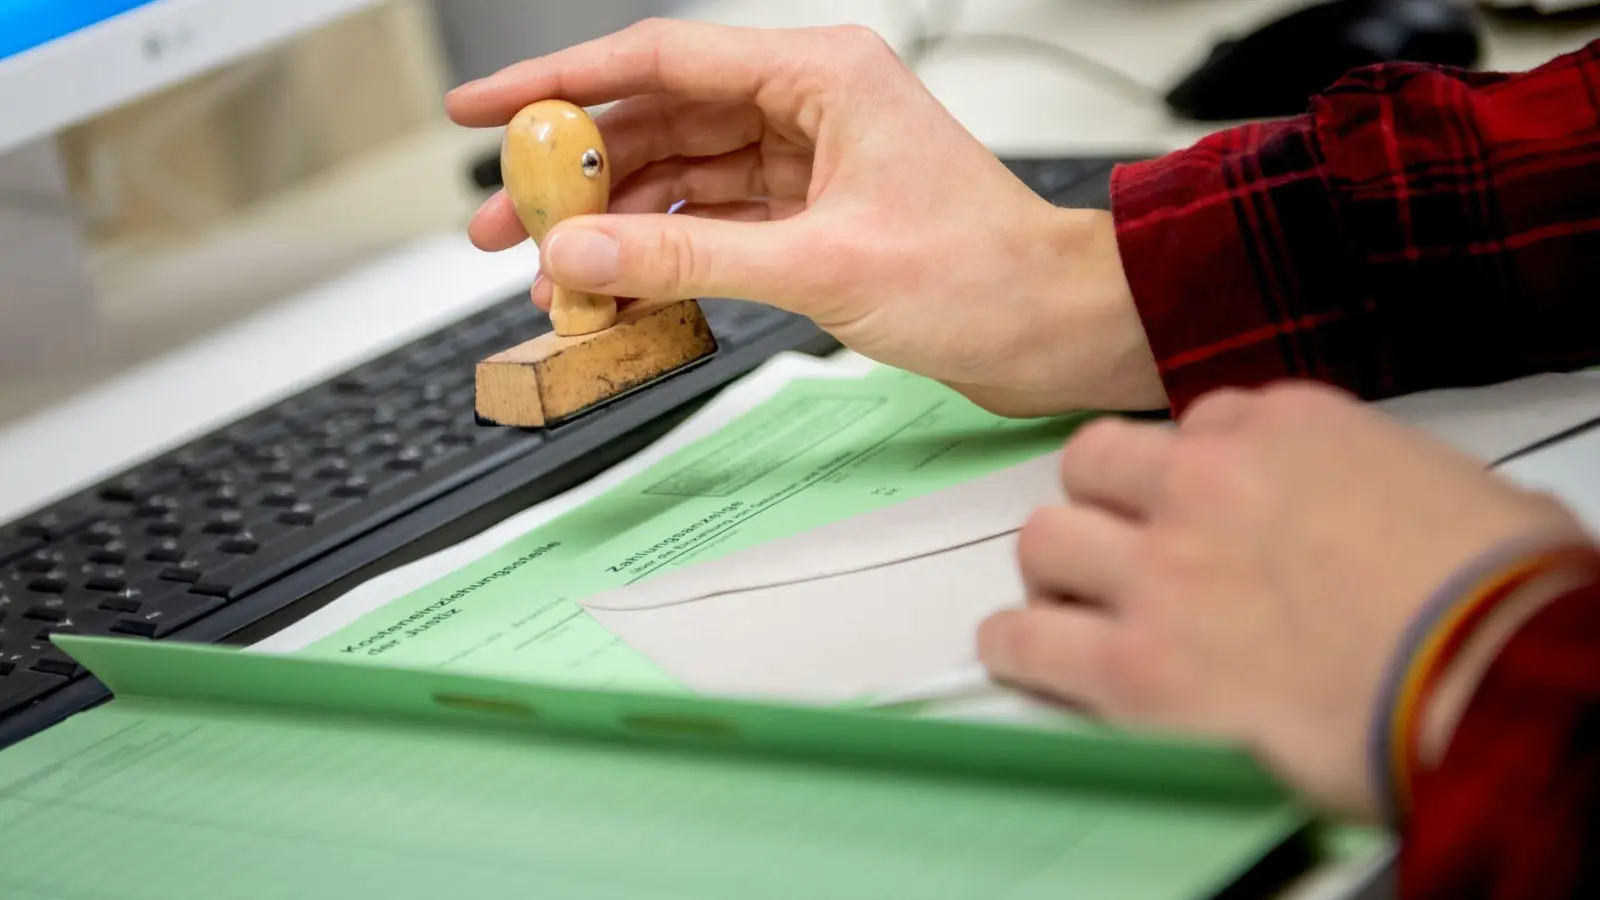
{"x": 1275, "y": 70}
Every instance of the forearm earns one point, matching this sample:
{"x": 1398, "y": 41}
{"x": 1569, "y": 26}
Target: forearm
{"x": 1415, "y": 229}
{"x": 1489, "y": 746}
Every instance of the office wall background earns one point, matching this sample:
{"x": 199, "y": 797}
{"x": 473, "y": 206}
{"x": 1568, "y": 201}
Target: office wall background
{"x": 480, "y": 36}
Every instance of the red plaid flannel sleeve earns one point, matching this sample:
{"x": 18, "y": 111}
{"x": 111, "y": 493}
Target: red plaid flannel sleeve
{"x": 1416, "y": 228}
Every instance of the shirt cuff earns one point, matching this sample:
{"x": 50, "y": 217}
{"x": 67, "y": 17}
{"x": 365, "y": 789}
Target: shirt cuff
{"x": 1219, "y": 243}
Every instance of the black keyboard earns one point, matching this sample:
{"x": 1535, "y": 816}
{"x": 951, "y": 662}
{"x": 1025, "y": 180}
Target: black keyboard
{"x": 240, "y": 532}
{"x": 1078, "y": 182}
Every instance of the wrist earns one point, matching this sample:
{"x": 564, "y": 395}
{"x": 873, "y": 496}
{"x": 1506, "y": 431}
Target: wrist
{"x": 1088, "y": 350}
{"x": 1452, "y": 641}
{"x": 1459, "y": 675}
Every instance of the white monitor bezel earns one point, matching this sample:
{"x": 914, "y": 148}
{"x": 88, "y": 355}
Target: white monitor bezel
{"x": 98, "y": 68}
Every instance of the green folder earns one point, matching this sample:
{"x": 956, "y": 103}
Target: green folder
{"x": 217, "y": 773}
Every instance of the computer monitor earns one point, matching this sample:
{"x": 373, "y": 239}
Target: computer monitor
{"x": 65, "y": 61}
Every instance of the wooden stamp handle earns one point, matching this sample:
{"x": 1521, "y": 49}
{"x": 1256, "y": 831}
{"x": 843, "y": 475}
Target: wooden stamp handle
{"x": 554, "y": 166}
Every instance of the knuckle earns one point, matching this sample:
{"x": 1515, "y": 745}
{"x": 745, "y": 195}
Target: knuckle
{"x": 1036, "y": 540}
{"x": 1207, "y": 470}
{"x": 1028, "y": 650}
{"x": 1299, "y": 400}
{"x": 1129, "y": 670}
{"x": 1089, "y": 450}
{"x": 652, "y": 27}
{"x": 1216, "y": 407}
{"x": 1290, "y": 397}
{"x": 677, "y": 264}
{"x": 1175, "y": 559}
{"x": 861, "y": 40}
{"x": 1002, "y": 640}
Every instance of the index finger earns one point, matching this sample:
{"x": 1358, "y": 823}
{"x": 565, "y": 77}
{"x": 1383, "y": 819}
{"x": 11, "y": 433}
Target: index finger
{"x": 689, "y": 60}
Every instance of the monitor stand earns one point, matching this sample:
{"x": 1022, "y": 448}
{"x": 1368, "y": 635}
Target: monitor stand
{"x": 47, "y": 295}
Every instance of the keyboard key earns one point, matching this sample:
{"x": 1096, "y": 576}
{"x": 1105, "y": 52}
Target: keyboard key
{"x": 184, "y": 572}
{"x": 241, "y": 546}
{"x": 197, "y": 460}
{"x": 166, "y": 528}
{"x": 301, "y": 514}
{"x": 121, "y": 604}
{"x": 114, "y": 553}
{"x": 43, "y": 561}
{"x": 55, "y": 525}
{"x": 225, "y": 522}
{"x": 220, "y": 573}
{"x": 333, "y": 470}
{"x": 271, "y": 453}
{"x": 43, "y": 613}
{"x": 409, "y": 459}
{"x": 371, "y": 380}
{"x": 386, "y": 417}
{"x": 276, "y": 475}
{"x": 355, "y": 486}
{"x": 21, "y": 686}
{"x": 137, "y": 487}
{"x": 381, "y": 444}
{"x": 313, "y": 405}
{"x": 325, "y": 448}
{"x": 431, "y": 358}
{"x": 107, "y": 584}
{"x": 145, "y": 593}
{"x": 53, "y": 582}
{"x": 251, "y": 434}
{"x": 57, "y": 663}
{"x": 100, "y": 534}
{"x": 281, "y": 497}
{"x": 217, "y": 478}
{"x": 158, "y": 620}
{"x": 264, "y": 532}
{"x": 166, "y": 551}
{"x": 16, "y": 547}
{"x": 156, "y": 507}
{"x": 225, "y": 496}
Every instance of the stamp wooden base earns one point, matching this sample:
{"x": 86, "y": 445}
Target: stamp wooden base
{"x": 553, "y": 378}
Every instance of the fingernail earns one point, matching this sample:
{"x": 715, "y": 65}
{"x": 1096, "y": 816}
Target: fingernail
{"x": 583, "y": 259}
{"x": 541, "y": 292}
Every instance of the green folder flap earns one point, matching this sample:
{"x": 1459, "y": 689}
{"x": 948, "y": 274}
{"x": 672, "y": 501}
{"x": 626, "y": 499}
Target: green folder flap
{"x": 1101, "y": 759}
{"x": 221, "y": 774}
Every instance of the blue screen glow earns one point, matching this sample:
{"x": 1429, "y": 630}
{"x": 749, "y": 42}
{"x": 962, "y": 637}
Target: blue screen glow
{"x": 25, "y": 24}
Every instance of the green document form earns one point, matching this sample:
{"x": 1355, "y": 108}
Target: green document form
{"x": 226, "y": 775}
{"x": 817, "y": 452}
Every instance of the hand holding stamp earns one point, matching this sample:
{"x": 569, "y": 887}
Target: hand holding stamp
{"x": 554, "y": 166}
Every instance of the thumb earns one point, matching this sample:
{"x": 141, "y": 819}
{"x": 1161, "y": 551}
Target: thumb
{"x": 677, "y": 257}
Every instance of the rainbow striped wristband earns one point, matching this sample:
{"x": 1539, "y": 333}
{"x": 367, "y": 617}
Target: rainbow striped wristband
{"x": 1433, "y": 638}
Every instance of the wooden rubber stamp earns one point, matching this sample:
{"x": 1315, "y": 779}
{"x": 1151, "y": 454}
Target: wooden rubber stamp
{"x": 554, "y": 166}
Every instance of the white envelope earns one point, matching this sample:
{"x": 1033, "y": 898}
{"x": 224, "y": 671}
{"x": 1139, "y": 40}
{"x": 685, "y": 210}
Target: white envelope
{"x": 1500, "y": 421}
{"x": 894, "y": 597}
{"x": 865, "y": 605}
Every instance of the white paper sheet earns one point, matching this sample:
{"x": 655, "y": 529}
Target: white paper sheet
{"x": 858, "y": 607}
{"x": 738, "y": 399}
{"x": 1489, "y": 423}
